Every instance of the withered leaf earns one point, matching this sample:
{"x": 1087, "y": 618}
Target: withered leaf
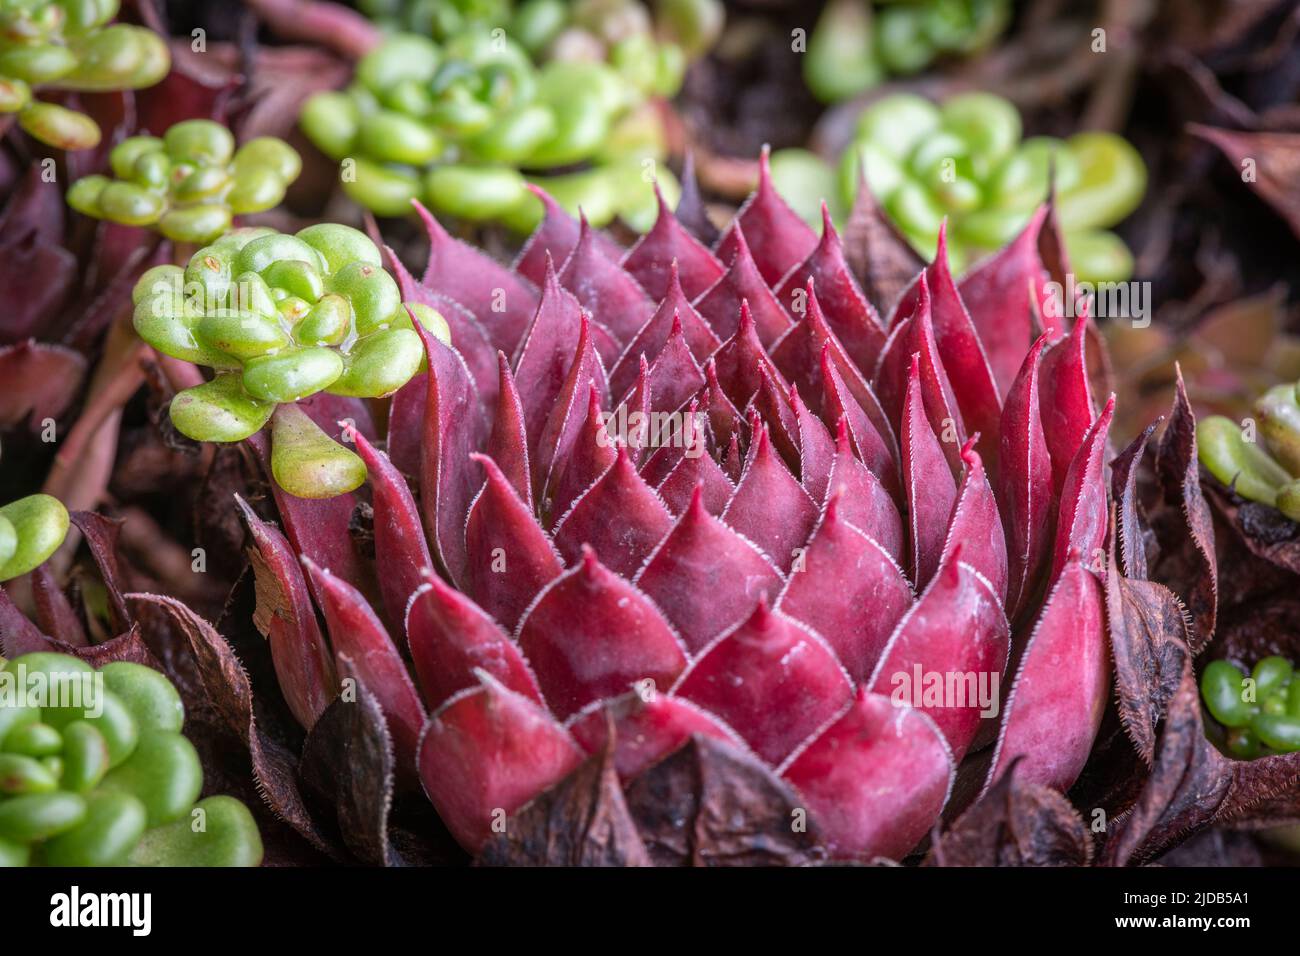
{"x": 230, "y": 693}
{"x": 883, "y": 261}
{"x": 101, "y": 537}
{"x": 581, "y": 821}
{"x": 1148, "y": 635}
{"x": 709, "y": 804}
{"x": 1129, "y": 525}
{"x": 348, "y": 758}
{"x": 1266, "y": 790}
{"x": 54, "y": 611}
{"x": 1015, "y": 824}
{"x": 1274, "y": 159}
{"x": 1188, "y": 781}
{"x": 1191, "y": 569}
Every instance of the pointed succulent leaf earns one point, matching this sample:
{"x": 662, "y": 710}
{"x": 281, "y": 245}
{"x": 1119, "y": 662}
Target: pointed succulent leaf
{"x": 952, "y": 641}
{"x": 743, "y": 282}
{"x": 451, "y": 638}
{"x": 864, "y": 502}
{"x": 668, "y": 242}
{"x": 696, "y": 471}
{"x": 674, "y": 375}
{"x": 962, "y": 352}
{"x": 591, "y": 456}
{"x": 876, "y": 449}
{"x": 780, "y": 239}
{"x": 563, "y": 425}
{"x": 1058, "y": 696}
{"x": 740, "y": 362}
{"x": 875, "y": 779}
{"x": 1084, "y": 515}
{"x": 590, "y": 634}
{"x": 646, "y": 728}
{"x": 650, "y": 339}
{"x": 401, "y": 554}
{"x": 356, "y": 632}
{"x": 1025, "y": 483}
{"x": 507, "y": 445}
{"x": 927, "y": 483}
{"x": 1065, "y": 399}
{"x": 1129, "y": 530}
{"x": 770, "y": 507}
{"x": 1001, "y": 294}
{"x": 847, "y": 588}
{"x": 546, "y": 353}
{"x": 883, "y": 260}
{"x": 468, "y": 336}
{"x": 486, "y": 752}
{"x": 555, "y": 236}
{"x": 509, "y": 558}
{"x": 611, "y": 295}
{"x": 847, "y": 310}
{"x": 816, "y": 448}
{"x": 771, "y": 679}
{"x": 500, "y": 299}
{"x": 705, "y": 577}
{"x": 1179, "y": 473}
{"x": 975, "y": 519}
{"x": 285, "y": 617}
{"x": 453, "y": 427}
{"x": 624, "y": 544}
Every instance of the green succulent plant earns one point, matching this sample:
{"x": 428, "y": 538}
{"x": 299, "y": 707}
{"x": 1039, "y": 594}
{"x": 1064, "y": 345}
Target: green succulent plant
{"x": 31, "y": 529}
{"x": 188, "y": 183}
{"x": 104, "y": 777}
{"x": 1261, "y": 463}
{"x": 279, "y": 318}
{"x": 485, "y": 97}
{"x": 1260, "y": 711}
{"x": 856, "y": 44}
{"x": 70, "y": 45}
{"x": 964, "y": 160}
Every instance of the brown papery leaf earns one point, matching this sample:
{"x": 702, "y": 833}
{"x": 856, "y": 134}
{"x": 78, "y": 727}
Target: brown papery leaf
{"x": 101, "y": 536}
{"x": 1129, "y": 525}
{"x": 1263, "y": 792}
{"x": 710, "y": 804}
{"x": 1273, "y": 159}
{"x": 1015, "y": 824}
{"x": 1188, "y": 781}
{"x": 1190, "y": 570}
{"x": 348, "y": 758}
{"x": 581, "y": 821}
{"x": 876, "y": 252}
{"x": 1148, "y": 641}
{"x": 231, "y": 695}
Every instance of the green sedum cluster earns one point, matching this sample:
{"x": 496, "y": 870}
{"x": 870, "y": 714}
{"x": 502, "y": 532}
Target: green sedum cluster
{"x": 70, "y": 45}
{"x": 1261, "y": 712}
{"x": 1267, "y": 472}
{"x": 94, "y": 771}
{"x": 857, "y": 44}
{"x": 281, "y": 317}
{"x": 964, "y": 160}
{"x": 31, "y": 529}
{"x": 190, "y": 182}
{"x": 506, "y": 94}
